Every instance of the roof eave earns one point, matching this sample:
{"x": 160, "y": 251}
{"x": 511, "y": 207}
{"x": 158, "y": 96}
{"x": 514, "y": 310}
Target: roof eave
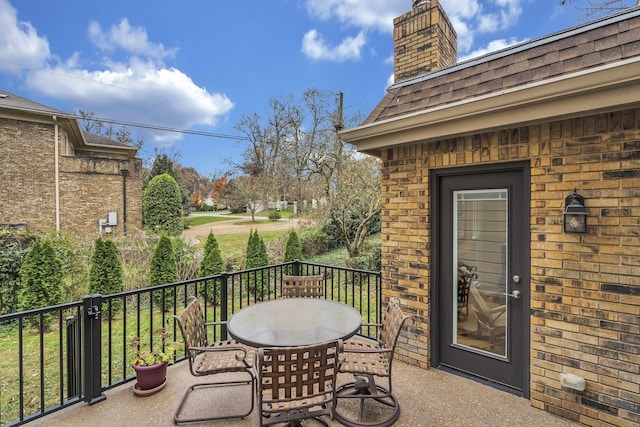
{"x": 599, "y": 88}
{"x": 73, "y": 127}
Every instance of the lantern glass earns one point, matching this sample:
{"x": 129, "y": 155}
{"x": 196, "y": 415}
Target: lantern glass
{"x": 575, "y": 215}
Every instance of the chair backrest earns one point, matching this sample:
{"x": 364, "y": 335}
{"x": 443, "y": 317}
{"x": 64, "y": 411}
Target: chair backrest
{"x": 303, "y": 286}
{"x": 192, "y": 326}
{"x": 296, "y": 378}
{"x": 466, "y": 275}
{"x": 393, "y": 320}
{"x": 485, "y": 313}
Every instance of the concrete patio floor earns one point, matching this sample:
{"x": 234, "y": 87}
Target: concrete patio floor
{"x": 427, "y": 398}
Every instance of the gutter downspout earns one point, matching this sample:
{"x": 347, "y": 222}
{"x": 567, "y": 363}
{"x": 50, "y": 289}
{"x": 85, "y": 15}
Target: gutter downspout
{"x": 124, "y": 172}
{"x": 57, "y": 172}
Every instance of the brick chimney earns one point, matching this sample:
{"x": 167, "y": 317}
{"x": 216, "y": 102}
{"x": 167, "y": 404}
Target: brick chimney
{"x": 424, "y": 40}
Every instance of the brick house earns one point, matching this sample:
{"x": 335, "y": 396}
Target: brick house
{"x": 56, "y": 177}
{"x": 480, "y": 159}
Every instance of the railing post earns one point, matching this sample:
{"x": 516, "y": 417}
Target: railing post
{"x": 224, "y": 303}
{"x": 296, "y": 267}
{"x": 92, "y": 343}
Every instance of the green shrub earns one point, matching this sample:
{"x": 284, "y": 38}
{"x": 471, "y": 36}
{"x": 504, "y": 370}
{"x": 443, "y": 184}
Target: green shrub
{"x": 105, "y": 275}
{"x": 136, "y": 250}
{"x": 13, "y": 248}
{"x": 42, "y": 277}
{"x": 274, "y": 215}
{"x": 211, "y": 265}
{"x": 162, "y": 209}
{"x": 187, "y": 256}
{"x": 257, "y": 257}
{"x": 163, "y": 270}
{"x": 292, "y": 250}
{"x": 75, "y": 255}
{"x": 315, "y": 242}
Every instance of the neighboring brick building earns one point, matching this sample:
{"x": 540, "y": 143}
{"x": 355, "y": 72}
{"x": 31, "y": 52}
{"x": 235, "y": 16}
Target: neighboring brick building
{"x": 478, "y": 160}
{"x": 56, "y": 177}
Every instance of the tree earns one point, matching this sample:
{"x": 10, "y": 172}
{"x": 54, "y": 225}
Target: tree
{"x": 244, "y": 193}
{"x": 282, "y": 143}
{"x": 218, "y": 190}
{"x": 292, "y": 249}
{"x": 354, "y": 201}
{"x": 163, "y": 163}
{"x": 197, "y": 199}
{"x": 297, "y": 152}
{"x": 257, "y": 256}
{"x": 211, "y": 265}
{"x": 162, "y": 206}
{"x": 163, "y": 270}
{"x": 14, "y": 245}
{"x": 105, "y": 273}
{"x": 91, "y": 124}
{"x": 595, "y": 8}
{"x": 42, "y": 276}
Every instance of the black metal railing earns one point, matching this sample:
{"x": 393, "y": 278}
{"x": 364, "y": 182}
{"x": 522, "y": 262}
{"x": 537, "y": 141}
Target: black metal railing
{"x": 58, "y": 356}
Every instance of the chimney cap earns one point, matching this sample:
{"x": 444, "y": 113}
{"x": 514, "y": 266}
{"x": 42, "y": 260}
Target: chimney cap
{"x": 417, "y": 3}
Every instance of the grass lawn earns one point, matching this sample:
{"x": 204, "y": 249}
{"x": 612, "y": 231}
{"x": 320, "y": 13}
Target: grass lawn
{"x": 194, "y": 221}
{"x": 234, "y": 246}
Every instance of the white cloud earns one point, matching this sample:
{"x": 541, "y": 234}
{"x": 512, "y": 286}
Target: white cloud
{"x": 391, "y": 80}
{"x": 492, "y": 46}
{"x": 130, "y": 39}
{"x": 20, "y": 46}
{"x": 139, "y": 89}
{"x": 473, "y": 17}
{"x": 470, "y": 18}
{"x": 365, "y": 14}
{"x": 138, "y": 92}
{"x": 316, "y": 48}
{"x": 462, "y": 9}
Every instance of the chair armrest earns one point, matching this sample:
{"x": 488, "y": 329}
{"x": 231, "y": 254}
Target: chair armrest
{"x": 370, "y": 325}
{"x": 225, "y": 348}
{"x": 220, "y": 323}
{"x": 498, "y": 309}
{"x": 235, "y": 348}
{"x": 368, "y": 350}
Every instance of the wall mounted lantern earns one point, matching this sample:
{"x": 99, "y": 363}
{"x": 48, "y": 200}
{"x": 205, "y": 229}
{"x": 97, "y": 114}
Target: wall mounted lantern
{"x": 575, "y": 215}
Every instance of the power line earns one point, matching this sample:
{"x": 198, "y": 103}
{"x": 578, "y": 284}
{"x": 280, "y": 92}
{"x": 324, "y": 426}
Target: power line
{"x": 142, "y": 125}
{"x": 164, "y": 128}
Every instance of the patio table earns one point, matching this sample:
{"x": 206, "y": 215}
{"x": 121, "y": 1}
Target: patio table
{"x": 294, "y": 322}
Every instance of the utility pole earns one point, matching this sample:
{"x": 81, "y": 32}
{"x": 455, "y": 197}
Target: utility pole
{"x": 339, "y": 120}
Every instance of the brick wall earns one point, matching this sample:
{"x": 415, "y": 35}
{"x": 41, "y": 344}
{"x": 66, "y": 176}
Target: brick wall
{"x": 90, "y": 187}
{"x": 27, "y": 192}
{"x": 424, "y": 40}
{"x": 585, "y": 288}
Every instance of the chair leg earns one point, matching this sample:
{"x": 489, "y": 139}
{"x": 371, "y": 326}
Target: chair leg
{"x": 179, "y": 419}
{"x": 366, "y": 390}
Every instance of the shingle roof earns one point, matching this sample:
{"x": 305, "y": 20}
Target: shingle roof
{"x": 15, "y": 102}
{"x": 597, "y": 43}
{"x": 101, "y": 140}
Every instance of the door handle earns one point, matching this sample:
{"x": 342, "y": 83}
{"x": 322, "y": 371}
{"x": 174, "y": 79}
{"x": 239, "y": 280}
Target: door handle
{"x": 516, "y": 294}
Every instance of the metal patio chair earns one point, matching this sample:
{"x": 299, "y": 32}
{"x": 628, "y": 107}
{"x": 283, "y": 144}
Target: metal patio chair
{"x": 367, "y": 360}
{"x": 489, "y": 317}
{"x": 303, "y": 286}
{"x": 210, "y": 359}
{"x": 296, "y": 383}
{"x": 466, "y": 275}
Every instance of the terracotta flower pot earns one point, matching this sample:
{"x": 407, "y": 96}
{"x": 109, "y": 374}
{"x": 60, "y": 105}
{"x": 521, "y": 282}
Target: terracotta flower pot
{"x": 150, "y": 377}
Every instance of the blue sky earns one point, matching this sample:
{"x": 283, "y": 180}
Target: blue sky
{"x": 201, "y": 65}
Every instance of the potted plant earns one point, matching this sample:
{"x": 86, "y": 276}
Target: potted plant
{"x": 151, "y": 366}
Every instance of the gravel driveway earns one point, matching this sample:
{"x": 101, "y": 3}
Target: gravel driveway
{"x": 231, "y": 226}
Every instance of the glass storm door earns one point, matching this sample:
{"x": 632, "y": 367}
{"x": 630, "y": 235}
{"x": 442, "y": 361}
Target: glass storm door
{"x": 482, "y": 274}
